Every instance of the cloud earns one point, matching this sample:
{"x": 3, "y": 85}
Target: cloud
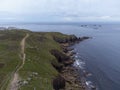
{"x": 105, "y": 17}
{"x": 68, "y": 19}
{"x": 8, "y": 18}
{"x": 90, "y": 18}
{"x": 53, "y": 10}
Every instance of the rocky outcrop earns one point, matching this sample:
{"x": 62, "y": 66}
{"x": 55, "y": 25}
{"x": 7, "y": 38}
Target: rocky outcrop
{"x": 61, "y": 57}
{"x": 68, "y": 80}
{"x": 57, "y": 66}
{"x": 71, "y": 40}
{"x": 59, "y": 83}
{"x": 83, "y": 38}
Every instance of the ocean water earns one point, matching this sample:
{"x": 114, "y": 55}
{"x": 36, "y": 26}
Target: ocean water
{"x": 99, "y": 55}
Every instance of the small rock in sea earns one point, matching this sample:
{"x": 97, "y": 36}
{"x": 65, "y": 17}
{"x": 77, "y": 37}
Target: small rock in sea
{"x": 93, "y": 87}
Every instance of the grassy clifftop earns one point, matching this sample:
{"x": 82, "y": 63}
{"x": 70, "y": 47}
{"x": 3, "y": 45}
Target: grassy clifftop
{"x": 37, "y": 72}
{"x": 9, "y": 54}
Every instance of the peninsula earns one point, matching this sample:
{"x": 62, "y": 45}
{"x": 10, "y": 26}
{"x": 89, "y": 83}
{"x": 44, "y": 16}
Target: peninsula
{"x": 37, "y": 61}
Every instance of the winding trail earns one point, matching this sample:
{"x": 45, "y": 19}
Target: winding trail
{"x": 15, "y": 78}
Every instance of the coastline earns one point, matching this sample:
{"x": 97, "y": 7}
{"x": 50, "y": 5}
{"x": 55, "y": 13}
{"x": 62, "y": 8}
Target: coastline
{"x": 55, "y": 51}
{"x": 69, "y": 74}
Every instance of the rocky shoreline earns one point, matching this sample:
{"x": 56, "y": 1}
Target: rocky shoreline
{"x": 68, "y": 78}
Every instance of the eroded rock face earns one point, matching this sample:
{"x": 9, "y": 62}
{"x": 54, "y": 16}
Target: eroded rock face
{"x": 59, "y": 83}
{"x": 63, "y": 66}
{"x": 58, "y": 67}
{"x": 59, "y": 56}
{"x": 63, "y": 60}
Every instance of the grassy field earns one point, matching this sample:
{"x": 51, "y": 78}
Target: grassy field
{"x": 9, "y": 54}
{"x": 37, "y": 72}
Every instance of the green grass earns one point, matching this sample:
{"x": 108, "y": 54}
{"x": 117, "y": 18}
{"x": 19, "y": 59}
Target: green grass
{"x": 9, "y": 54}
{"x": 38, "y": 57}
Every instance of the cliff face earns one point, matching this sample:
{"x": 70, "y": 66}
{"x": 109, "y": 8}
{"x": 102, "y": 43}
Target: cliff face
{"x": 68, "y": 76}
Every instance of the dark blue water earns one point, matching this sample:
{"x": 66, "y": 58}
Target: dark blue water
{"x": 101, "y": 54}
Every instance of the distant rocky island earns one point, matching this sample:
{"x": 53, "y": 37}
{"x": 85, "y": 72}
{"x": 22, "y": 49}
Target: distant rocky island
{"x": 93, "y": 26}
{"x": 38, "y": 60}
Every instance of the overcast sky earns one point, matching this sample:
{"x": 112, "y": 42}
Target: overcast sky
{"x": 59, "y": 10}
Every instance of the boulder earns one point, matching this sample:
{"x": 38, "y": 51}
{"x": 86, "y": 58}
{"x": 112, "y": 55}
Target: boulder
{"x": 59, "y": 83}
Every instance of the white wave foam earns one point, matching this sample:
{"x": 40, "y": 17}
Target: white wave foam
{"x": 90, "y": 85}
{"x": 79, "y": 63}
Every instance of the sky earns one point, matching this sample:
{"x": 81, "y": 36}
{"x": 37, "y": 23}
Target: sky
{"x": 59, "y": 10}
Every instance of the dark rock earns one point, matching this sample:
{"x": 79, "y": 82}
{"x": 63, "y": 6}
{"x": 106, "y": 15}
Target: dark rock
{"x": 2, "y": 65}
{"x": 59, "y": 40}
{"x": 72, "y": 53}
{"x": 61, "y": 57}
{"x": 68, "y": 62}
{"x": 83, "y": 38}
{"x": 70, "y": 49}
{"x": 71, "y": 38}
{"x": 59, "y": 83}
{"x": 58, "y": 67}
{"x": 65, "y": 50}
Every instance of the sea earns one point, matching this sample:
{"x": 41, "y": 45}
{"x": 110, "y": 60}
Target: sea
{"x": 98, "y": 57}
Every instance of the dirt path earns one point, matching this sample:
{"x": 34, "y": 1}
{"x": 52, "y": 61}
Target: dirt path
{"x": 15, "y": 79}
{"x": 22, "y": 44}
